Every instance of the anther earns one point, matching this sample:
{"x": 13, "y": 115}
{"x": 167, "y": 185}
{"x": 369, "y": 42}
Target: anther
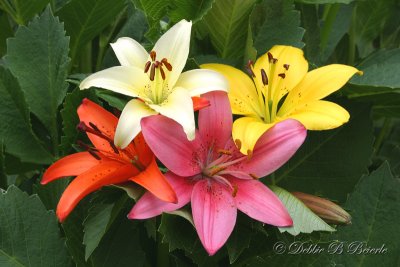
{"x": 255, "y": 177}
{"x": 264, "y": 77}
{"x": 286, "y": 66}
{"x": 216, "y": 170}
{"x": 250, "y": 68}
{"x": 282, "y": 75}
{"x": 116, "y": 151}
{"x": 225, "y": 152}
{"x": 165, "y": 62}
{"x": 91, "y": 124}
{"x": 153, "y": 55}
{"x": 235, "y": 190}
{"x": 238, "y": 143}
{"x": 270, "y": 57}
{"x": 147, "y": 66}
{"x": 162, "y": 72}
{"x": 152, "y": 72}
{"x": 249, "y": 154}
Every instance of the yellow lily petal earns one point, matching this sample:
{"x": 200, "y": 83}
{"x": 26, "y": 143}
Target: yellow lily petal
{"x": 201, "y": 81}
{"x": 242, "y": 93}
{"x": 129, "y": 122}
{"x": 248, "y": 130}
{"x": 130, "y": 53}
{"x": 179, "y": 107}
{"x": 320, "y": 115}
{"x": 297, "y": 67}
{"x": 318, "y": 84}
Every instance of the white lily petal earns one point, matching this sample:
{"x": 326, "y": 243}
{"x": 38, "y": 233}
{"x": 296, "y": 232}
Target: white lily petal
{"x": 121, "y": 79}
{"x": 174, "y": 46}
{"x": 179, "y": 107}
{"x": 129, "y": 122}
{"x": 202, "y": 81}
{"x": 130, "y": 53}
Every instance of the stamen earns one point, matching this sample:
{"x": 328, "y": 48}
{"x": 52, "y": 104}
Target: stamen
{"x": 147, "y": 66}
{"x": 116, "y": 151}
{"x": 235, "y": 190}
{"x": 153, "y": 55}
{"x": 238, "y": 143}
{"x": 249, "y": 154}
{"x": 91, "y": 124}
{"x": 270, "y": 57}
{"x": 225, "y": 152}
{"x": 255, "y": 177}
{"x": 249, "y": 68}
{"x": 94, "y": 154}
{"x": 152, "y": 72}
{"x": 286, "y": 66}
{"x": 264, "y": 77}
{"x": 162, "y": 72}
{"x": 215, "y": 170}
{"x": 165, "y": 62}
{"x": 282, "y": 75}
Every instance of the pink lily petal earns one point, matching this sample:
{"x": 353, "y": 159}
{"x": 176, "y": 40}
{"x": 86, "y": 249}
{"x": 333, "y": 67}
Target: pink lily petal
{"x": 169, "y": 143}
{"x": 214, "y": 214}
{"x": 215, "y": 121}
{"x": 274, "y": 148}
{"x": 150, "y": 206}
{"x": 260, "y": 203}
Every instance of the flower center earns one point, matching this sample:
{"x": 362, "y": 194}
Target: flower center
{"x": 272, "y": 87}
{"x": 157, "y": 75}
{"x": 121, "y": 155}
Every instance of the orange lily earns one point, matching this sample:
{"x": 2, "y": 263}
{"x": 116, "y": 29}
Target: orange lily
{"x": 105, "y": 164}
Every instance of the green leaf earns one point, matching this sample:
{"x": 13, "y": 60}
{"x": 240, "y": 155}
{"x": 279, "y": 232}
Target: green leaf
{"x": 390, "y": 150}
{"x": 16, "y": 132}
{"x": 275, "y": 22}
{"x": 29, "y": 234}
{"x": 331, "y": 162}
{"x": 227, "y": 25}
{"x": 114, "y": 100}
{"x": 3, "y": 176}
{"x": 381, "y": 70}
{"x": 240, "y": 238}
{"x": 324, "y": 1}
{"x": 70, "y": 117}
{"x": 375, "y": 207}
{"x": 21, "y": 10}
{"x": 304, "y": 220}
{"x": 41, "y": 67}
{"x": 5, "y": 32}
{"x": 370, "y": 18}
{"x": 51, "y": 193}
{"x": 86, "y": 19}
{"x": 193, "y": 10}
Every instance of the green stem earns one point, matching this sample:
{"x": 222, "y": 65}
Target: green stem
{"x": 8, "y": 8}
{"x": 386, "y": 128}
{"x": 329, "y": 17}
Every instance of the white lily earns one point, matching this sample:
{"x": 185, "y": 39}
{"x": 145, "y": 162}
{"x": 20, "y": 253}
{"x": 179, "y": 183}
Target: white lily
{"x": 156, "y": 82}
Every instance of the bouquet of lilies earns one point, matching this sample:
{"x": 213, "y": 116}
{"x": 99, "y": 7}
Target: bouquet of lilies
{"x": 248, "y": 157}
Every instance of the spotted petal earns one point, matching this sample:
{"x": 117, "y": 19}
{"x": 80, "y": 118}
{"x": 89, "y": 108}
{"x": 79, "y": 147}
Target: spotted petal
{"x": 214, "y": 214}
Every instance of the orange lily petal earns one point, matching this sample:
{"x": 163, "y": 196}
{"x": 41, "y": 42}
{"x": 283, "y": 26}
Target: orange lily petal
{"x": 142, "y": 149}
{"x": 107, "y": 173}
{"x": 199, "y": 103}
{"x": 154, "y": 181}
{"x": 71, "y": 165}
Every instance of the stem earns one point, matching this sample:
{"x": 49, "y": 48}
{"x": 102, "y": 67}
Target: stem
{"x": 329, "y": 17}
{"x": 386, "y": 128}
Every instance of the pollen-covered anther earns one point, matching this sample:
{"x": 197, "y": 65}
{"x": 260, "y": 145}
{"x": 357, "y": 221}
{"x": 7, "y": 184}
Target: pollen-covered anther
{"x": 238, "y": 144}
{"x": 216, "y": 170}
{"x": 235, "y": 190}
{"x": 165, "y": 62}
{"x": 152, "y": 72}
{"x": 162, "y": 72}
{"x": 224, "y": 151}
{"x": 286, "y": 66}
{"x": 153, "y": 55}
{"x": 282, "y": 75}
{"x": 249, "y": 68}
{"x": 249, "y": 154}
{"x": 255, "y": 177}
{"x": 271, "y": 58}
{"x": 264, "y": 77}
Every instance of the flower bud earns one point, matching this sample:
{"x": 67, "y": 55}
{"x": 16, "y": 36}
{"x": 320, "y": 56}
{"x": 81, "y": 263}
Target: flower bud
{"x": 326, "y": 209}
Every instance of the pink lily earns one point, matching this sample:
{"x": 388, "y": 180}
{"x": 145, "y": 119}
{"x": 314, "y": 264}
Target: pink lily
{"x": 212, "y": 173}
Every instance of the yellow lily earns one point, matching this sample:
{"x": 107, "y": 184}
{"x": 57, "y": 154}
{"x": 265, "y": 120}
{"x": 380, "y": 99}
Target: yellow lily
{"x": 283, "y": 71}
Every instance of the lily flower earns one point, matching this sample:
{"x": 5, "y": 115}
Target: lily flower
{"x": 156, "y": 82}
{"x": 104, "y": 163}
{"x": 283, "y": 71}
{"x": 212, "y": 174}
